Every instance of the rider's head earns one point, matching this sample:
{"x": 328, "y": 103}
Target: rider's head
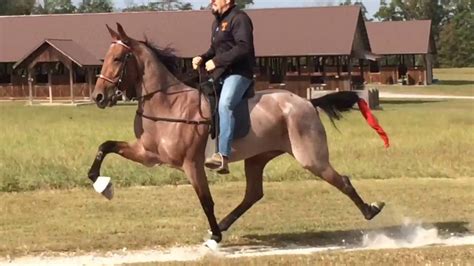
{"x": 220, "y": 6}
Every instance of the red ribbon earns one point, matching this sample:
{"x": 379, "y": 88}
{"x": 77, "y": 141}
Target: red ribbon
{"x": 372, "y": 121}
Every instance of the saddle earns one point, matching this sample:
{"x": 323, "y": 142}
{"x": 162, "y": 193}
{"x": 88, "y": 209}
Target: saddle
{"x": 242, "y": 115}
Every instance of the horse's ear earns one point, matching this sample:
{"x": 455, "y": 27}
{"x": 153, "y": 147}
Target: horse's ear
{"x": 123, "y": 36}
{"x": 115, "y": 36}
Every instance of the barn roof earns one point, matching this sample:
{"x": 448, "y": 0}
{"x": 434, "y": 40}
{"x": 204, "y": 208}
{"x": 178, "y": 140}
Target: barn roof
{"x": 401, "y": 37}
{"x": 277, "y": 32}
{"x": 68, "y": 48}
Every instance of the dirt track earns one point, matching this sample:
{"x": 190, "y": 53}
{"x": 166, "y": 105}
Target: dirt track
{"x": 412, "y": 236}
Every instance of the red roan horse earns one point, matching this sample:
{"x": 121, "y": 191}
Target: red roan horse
{"x": 172, "y": 128}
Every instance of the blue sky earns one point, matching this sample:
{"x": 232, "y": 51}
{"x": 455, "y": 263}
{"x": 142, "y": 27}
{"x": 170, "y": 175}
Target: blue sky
{"x": 372, "y": 5}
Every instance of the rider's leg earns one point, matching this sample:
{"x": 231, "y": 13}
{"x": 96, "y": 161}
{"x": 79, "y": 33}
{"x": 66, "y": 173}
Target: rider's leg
{"x": 233, "y": 89}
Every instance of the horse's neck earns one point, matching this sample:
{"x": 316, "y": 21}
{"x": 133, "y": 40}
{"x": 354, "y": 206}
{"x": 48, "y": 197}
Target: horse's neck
{"x": 156, "y": 76}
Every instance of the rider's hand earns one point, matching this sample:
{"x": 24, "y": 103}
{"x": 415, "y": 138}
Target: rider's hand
{"x": 196, "y": 62}
{"x": 210, "y": 65}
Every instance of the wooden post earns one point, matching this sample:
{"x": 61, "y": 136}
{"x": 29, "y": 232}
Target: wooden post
{"x": 90, "y": 72}
{"x": 349, "y": 70}
{"x": 426, "y": 69}
{"x": 323, "y": 65}
{"x": 50, "y": 86}
{"x": 71, "y": 82}
{"x": 298, "y": 65}
{"x": 30, "y": 86}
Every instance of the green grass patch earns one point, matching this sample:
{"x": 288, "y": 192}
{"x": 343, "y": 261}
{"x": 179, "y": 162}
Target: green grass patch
{"x": 300, "y": 213}
{"x": 53, "y": 147}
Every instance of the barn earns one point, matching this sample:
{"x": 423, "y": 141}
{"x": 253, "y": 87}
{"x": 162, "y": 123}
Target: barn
{"x": 57, "y": 56}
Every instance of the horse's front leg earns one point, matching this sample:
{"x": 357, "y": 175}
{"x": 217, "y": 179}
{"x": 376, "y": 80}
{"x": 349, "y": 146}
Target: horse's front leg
{"x": 197, "y": 176}
{"x": 134, "y": 152}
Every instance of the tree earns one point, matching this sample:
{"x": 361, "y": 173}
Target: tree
{"x": 54, "y": 7}
{"x": 164, "y": 5}
{"x": 243, "y": 3}
{"x": 413, "y": 9}
{"x": 16, "y": 7}
{"x": 456, "y": 41}
{"x": 95, "y": 6}
{"x": 185, "y": 6}
{"x": 363, "y": 9}
{"x": 451, "y": 25}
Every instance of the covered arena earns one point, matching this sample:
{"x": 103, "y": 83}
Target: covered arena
{"x": 56, "y": 57}
{"x": 407, "y": 49}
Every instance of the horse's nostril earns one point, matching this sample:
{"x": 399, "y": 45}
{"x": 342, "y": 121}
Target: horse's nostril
{"x": 99, "y": 98}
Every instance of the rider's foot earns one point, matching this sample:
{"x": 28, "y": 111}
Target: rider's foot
{"x": 218, "y": 162}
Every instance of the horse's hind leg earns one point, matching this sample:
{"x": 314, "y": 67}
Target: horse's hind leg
{"x": 344, "y": 185}
{"x": 254, "y": 191}
{"x": 134, "y": 152}
{"x": 309, "y": 147}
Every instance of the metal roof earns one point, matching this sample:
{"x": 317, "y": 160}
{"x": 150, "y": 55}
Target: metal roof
{"x": 277, "y": 32}
{"x": 401, "y": 37}
{"x": 68, "y": 48}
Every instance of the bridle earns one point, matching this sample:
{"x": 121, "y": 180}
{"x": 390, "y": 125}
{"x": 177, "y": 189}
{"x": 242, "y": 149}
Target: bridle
{"x": 123, "y": 69}
{"x": 118, "y": 93}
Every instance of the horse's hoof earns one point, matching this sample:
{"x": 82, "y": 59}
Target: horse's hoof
{"x": 211, "y": 244}
{"x": 374, "y": 209}
{"x": 108, "y": 193}
{"x": 103, "y": 186}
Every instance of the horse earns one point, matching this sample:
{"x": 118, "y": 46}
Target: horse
{"x": 171, "y": 126}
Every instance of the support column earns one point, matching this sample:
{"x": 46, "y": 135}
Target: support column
{"x": 71, "y": 82}
{"x": 30, "y": 86}
{"x": 349, "y": 70}
{"x": 90, "y": 72}
{"x": 50, "y": 86}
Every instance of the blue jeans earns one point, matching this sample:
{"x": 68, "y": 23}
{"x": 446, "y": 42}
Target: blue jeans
{"x": 233, "y": 89}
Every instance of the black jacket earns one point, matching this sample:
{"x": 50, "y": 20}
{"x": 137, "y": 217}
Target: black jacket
{"x": 232, "y": 47}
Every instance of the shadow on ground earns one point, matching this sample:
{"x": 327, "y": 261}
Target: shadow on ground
{"x": 351, "y": 237}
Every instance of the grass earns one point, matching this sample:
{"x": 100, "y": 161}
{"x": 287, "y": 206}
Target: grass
{"x": 299, "y": 213}
{"x": 45, "y": 153}
{"x": 53, "y": 147}
{"x": 451, "y": 81}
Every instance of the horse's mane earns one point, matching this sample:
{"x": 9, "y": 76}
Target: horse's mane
{"x": 165, "y": 55}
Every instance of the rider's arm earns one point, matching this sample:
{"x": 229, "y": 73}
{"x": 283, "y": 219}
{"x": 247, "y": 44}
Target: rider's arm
{"x": 242, "y": 31}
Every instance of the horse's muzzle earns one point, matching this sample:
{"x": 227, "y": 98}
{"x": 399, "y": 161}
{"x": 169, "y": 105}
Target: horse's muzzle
{"x": 100, "y": 100}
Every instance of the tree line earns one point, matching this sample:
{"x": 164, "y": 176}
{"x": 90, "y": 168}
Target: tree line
{"x": 32, "y": 7}
{"x": 452, "y": 20}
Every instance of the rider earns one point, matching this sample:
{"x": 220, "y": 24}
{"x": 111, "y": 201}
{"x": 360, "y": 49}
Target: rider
{"x": 230, "y": 60}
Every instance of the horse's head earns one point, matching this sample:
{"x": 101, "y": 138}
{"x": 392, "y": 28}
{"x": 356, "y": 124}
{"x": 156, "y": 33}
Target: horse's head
{"x": 119, "y": 71}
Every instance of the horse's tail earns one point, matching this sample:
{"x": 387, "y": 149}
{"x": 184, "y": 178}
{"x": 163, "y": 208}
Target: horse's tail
{"x": 334, "y": 104}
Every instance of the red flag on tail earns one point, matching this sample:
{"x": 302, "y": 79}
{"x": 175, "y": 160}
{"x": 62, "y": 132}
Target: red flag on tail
{"x": 372, "y": 121}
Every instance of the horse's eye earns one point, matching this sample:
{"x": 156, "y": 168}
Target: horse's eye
{"x": 117, "y": 59}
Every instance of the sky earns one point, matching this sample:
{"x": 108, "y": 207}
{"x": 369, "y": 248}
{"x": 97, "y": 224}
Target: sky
{"x": 371, "y": 5}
